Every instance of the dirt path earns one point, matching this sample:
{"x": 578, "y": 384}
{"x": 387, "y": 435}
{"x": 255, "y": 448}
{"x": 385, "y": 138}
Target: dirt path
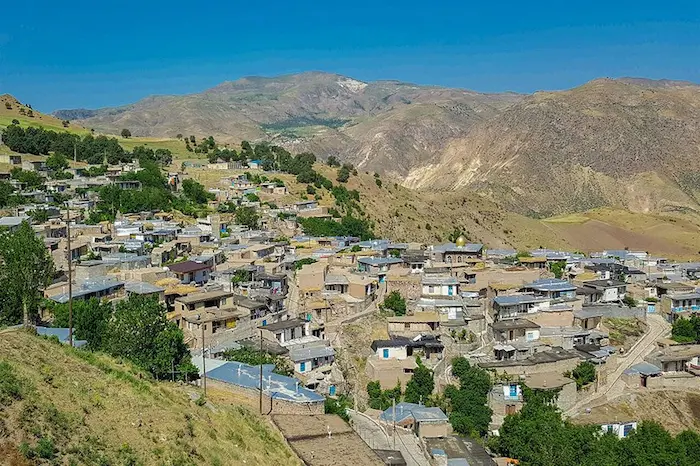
{"x": 614, "y": 386}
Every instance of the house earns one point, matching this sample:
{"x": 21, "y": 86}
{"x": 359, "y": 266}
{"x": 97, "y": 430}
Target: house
{"x": 414, "y": 260}
{"x": 619, "y": 429}
{"x": 305, "y": 206}
{"x": 675, "y": 306}
{"x": 255, "y": 164}
{"x": 285, "y": 331}
{"x": 128, "y": 184}
{"x": 190, "y": 271}
{"x": 424, "y": 421}
{"x": 552, "y": 288}
{"x": 307, "y": 359}
{"x": 12, "y": 223}
{"x": 441, "y": 286}
{"x": 510, "y": 307}
{"x": 676, "y": 358}
{"x": 145, "y": 289}
{"x": 204, "y": 314}
{"x": 413, "y": 325}
{"x": 102, "y": 287}
{"x": 533, "y": 262}
{"x": 195, "y": 302}
{"x": 362, "y": 286}
{"x": 337, "y": 283}
{"x": 458, "y": 252}
{"x": 602, "y": 291}
{"x": 379, "y": 266}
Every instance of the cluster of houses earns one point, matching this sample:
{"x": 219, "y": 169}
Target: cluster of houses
{"x": 229, "y": 287}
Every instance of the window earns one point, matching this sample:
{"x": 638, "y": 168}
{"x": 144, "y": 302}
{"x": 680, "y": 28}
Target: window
{"x": 407, "y": 326}
{"x": 431, "y": 289}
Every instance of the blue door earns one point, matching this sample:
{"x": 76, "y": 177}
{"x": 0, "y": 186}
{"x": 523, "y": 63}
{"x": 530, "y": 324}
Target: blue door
{"x": 264, "y": 322}
{"x": 331, "y": 390}
{"x": 302, "y": 367}
{"x": 386, "y": 353}
{"x": 449, "y": 290}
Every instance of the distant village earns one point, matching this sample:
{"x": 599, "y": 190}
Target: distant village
{"x": 530, "y": 319}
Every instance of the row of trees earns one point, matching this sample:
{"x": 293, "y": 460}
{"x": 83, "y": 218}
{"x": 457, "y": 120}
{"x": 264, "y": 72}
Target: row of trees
{"x": 256, "y": 358}
{"x": 136, "y": 329}
{"x": 686, "y": 330}
{"x": 347, "y": 226}
{"x": 538, "y": 435}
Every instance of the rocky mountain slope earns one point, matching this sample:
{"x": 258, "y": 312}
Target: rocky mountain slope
{"x": 383, "y": 126}
{"x": 631, "y": 143}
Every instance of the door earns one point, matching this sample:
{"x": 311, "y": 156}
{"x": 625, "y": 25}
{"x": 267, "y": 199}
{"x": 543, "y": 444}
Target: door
{"x": 302, "y": 367}
{"x": 385, "y": 353}
{"x": 510, "y": 409}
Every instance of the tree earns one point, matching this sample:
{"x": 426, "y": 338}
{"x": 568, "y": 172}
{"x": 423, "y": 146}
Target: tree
{"x": 383, "y": 399}
{"x": 56, "y": 162}
{"x": 629, "y": 300}
{"x": 343, "y": 175}
{"x": 332, "y": 161}
{"x": 126, "y": 133}
{"x": 469, "y": 413}
{"x": 195, "y": 192}
{"x": 15, "y": 121}
{"x": 26, "y": 269}
{"x": 179, "y": 135}
{"x": 686, "y": 330}
{"x": 583, "y": 374}
{"x": 421, "y": 385}
{"x": 30, "y": 113}
{"x": 395, "y": 302}
{"x": 557, "y": 268}
{"x": 247, "y": 216}
{"x": 255, "y": 358}
{"x": 90, "y": 320}
{"x": 7, "y": 196}
{"x": 39, "y": 215}
{"x": 140, "y": 332}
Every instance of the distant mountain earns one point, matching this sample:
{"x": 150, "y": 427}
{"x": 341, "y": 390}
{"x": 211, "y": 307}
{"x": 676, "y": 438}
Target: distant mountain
{"x": 629, "y": 142}
{"x": 386, "y": 126}
{"x": 609, "y": 142}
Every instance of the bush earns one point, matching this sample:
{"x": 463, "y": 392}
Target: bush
{"x": 396, "y": 303}
{"x": 12, "y": 388}
{"x": 337, "y": 406}
{"x": 583, "y": 374}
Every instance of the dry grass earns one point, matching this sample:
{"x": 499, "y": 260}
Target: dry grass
{"x": 97, "y": 410}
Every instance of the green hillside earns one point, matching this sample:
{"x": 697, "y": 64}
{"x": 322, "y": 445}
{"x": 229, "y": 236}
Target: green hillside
{"x": 64, "y": 406}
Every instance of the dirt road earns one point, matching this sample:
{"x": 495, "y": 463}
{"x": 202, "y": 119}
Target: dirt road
{"x": 614, "y": 386}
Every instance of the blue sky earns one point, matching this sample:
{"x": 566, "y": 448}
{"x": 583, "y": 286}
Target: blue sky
{"x": 83, "y": 54}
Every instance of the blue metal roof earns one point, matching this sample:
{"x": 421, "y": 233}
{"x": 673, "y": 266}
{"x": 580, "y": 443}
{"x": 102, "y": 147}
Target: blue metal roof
{"x": 142, "y": 288}
{"x": 276, "y": 386}
{"x": 379, "y": 260}
{"x": 88, "y": 288}
{"x": 643, "y": 368}
{"x": 517, "y": 299}
{"x": 550, "y": 284}
{"x": 414, "y": 411}
{"x": 61, "y": 334}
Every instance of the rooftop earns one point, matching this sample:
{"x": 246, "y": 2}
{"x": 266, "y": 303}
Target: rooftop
{"x": 547, "y": 380}
{"x": 201, "y": 297}
{"x": 513, "y": 324}
{"x": 403, "y": 411}
{"x": 439, "y": 280}
{"x": 188, "y": 267}
{"x": 275, "y": 386}
{"x": 378, "y": 261}
{"x": 514, "y": 300}
{"x": 311, "y": 352}
{"x": 604, "y": 283}
{"x": 550, "y": 284}
{"x": 452, "y": 247}
{"x": 283, "y": 325}
{"x": 143, "y": 288}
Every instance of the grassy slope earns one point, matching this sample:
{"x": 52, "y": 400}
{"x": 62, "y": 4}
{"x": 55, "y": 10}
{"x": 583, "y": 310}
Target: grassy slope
{"x": 95, "y": 408}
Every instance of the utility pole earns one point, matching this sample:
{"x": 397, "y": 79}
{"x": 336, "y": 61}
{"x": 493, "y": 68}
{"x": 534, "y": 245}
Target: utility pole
{"x": 70, "y": 280}
{"x": 393, "y": 408}
{"x": 261, "y": 372}
{"x": 204, "y": 362}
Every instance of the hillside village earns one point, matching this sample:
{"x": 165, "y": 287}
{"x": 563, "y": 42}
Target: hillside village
{"x": 298, "y": 311}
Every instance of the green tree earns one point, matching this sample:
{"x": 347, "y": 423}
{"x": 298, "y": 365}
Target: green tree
{"x": 338, "y": 406}
{"x": 343, "y": 175}
{"x": 469, "y": 414}
{"x": 195, "y": 192}
{"x": 395, "y": 302}
{"x": 126, "y": 133}
{"x": 247, "y": 216}
{"x": 7, "y": 197}
{"x": 629, "y": 300}
{"x": 56, "y": 162}
{"x": 332, "y": 161}
{"x": 39, "y": 215}
{"x": 25, "y": 271}
{"x": 256, "y": 358}
{"x": 686, "y": 330}
{"x": 90, "y": 320}
{"x": 557, "y": 268}
{"x": 421, "y": 385}
{"x": 583, "y": 374}
{"x": 140, "y": 332}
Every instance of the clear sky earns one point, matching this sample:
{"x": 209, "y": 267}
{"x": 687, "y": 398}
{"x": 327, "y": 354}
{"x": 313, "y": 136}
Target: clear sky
{"x": 93, "y": 54}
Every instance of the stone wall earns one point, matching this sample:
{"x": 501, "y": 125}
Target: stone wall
{"x": 409, "y": 286}
{"x": 556, "y": 366}
{"x": 674, "y": 380}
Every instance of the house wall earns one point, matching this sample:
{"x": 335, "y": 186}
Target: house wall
{"x": 394, "y": 353}
{"x": 552, "y": 319}
{"x": 434, "y": 429}
{"x": 618, "y": 429}
{"x": 556, "y": 366}
{"x": 679, "y": 380}
{"x": 440, "y": 290}
{"x": 413, "y": 327}
{"x": 567, "y": 396}
{"x": 409, "y": 287}
{"x": 387, "y": 375}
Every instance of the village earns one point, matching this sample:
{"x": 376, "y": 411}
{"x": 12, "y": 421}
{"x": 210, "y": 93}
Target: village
{"x": 361, "y": 320}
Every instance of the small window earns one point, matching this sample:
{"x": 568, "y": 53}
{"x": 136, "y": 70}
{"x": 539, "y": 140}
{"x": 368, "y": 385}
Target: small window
{"x": 407, "y": 326}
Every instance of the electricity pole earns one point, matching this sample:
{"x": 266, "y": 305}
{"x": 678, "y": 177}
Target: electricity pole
{"x": 70, "y": 280}
{"x": 261, "y": 373}
{"x": 393, "y": 405}
{"x": 204, "y": 362}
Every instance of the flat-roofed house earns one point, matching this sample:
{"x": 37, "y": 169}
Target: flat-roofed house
{"x": 190, "y": 271}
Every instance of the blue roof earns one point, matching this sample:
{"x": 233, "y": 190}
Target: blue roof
{"x": 142, "y": 288}
{"x": 61, "y": 333}
{"x": 87, "y": 288}
{"x": 643, "y": 368}
{"x": 414, "y": 411}
{"x": 550, "y": 284}
{"x": 276, "y": 386}
{"x": 375, "y": 244}
{"x": 518, "y": 299}
{"x": 379, "y": 260}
